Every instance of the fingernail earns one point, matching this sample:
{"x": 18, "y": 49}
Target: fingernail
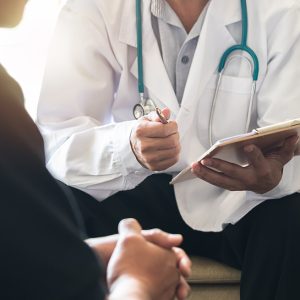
{"x": 206, "y": 162}
{"x": 129, "y": 225}
{"x": 187, "y": 292}
{"x": 175, "y": 236}
{"x": 186, "y": 262}
{"x": 249, "y": 148}
{"x": 195, "y": 166}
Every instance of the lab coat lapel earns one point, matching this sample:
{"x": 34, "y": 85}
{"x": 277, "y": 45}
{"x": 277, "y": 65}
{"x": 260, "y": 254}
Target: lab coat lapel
{"x": 156, "y": 79}
{"x": 213, "y": 41}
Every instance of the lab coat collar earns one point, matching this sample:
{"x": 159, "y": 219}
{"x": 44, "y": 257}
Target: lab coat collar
{"x": 213, "y": 40}
{"x": 156, "y": 78}
{"x": 227, "y": 12}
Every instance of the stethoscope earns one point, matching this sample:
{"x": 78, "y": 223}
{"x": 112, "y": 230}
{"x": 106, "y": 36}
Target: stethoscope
{"x": 145, "y": 106}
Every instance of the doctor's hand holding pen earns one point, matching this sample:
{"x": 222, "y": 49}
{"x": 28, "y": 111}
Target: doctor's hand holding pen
{"x": 263, "y": 173}
{"x": 155, "y": 141}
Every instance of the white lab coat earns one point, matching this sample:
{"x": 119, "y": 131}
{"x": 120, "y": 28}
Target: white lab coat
{"x": 90, "y": 88}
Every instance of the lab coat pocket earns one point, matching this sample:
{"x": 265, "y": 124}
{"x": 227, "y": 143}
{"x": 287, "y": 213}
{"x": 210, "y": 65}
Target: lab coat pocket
{"x": 231, "y": 105}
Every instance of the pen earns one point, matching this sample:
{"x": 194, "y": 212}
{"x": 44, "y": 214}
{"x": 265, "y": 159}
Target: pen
{"x": 161, "y": 116}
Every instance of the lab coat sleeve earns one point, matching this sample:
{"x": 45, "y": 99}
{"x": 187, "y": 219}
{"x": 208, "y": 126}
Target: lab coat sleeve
{"x": 279, "y": 95}
{"x": 85, "y": 148}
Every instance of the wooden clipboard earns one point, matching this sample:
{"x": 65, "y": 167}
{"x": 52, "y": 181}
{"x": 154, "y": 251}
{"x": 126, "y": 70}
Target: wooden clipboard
{"x": 231, "y": 149}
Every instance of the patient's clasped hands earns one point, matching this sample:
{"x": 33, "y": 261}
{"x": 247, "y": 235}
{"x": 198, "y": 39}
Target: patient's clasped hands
{"x": 148, "y": 261}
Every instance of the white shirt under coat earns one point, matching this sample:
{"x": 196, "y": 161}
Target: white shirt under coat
{"x": 177, "y": 47}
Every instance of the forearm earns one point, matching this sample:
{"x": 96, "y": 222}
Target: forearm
{"x": 93, "y": 158}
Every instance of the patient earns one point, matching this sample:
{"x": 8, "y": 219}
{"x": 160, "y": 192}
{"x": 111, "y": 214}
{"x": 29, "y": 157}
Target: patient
{"x": 43, "y": 254}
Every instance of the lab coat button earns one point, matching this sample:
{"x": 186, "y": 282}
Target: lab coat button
{"x": 185, "y": 59}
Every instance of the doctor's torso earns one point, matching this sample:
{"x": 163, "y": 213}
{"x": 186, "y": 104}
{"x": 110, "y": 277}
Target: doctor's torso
{"x": 272, "y": 32}
{"x": 221, "y": 29}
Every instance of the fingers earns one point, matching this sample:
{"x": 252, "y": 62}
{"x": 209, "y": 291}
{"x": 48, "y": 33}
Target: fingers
{"x": 216, "y": 178}
{"x": 160, "y": 161}
{"x": 156, "y": 153}
{"x": 184, "y": 262}
{"x": 288, "y": 149}
{"x": 155, "y": 118}
{"x": 129, "y": 227}
{"x": 255, "y": 157}
{"x": 161, "y": 238}
{"x": 160, "y": 158}
{"x": 262, "y": 174}
{"x": 284, "y": 154}
{"x": 166, "y": 240}
{"x": 227, "y": 168}
{"x": 183, "y": 289}
{"x": 153, "y": 144}
{"x": 166, "y": 112}
{"x": 147, "y": 128}
{"x": 179, "y": 258}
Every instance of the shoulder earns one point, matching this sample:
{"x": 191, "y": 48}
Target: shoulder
{"x": 269, "y": 17}
{"x": 92, "y": 8}
{"x": 15, "y": 122}
{"x": 274, "y": 8}
{"x": 109, "y": 19}
{"x": 9, "y": 88}
{"x": 105, "y": 17}
{"x": 275, "y": 4}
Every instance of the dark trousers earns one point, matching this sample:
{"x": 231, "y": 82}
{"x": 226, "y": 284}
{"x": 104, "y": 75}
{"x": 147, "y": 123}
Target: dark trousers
{"x": 265, "y": 244}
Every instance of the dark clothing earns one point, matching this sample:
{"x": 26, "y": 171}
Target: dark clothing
{"x": 265, "y": 244}
{"x": 42, "y": 255}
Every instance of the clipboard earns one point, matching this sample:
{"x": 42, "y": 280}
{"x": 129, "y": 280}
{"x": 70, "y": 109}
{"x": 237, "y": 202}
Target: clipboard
{"x": 231, "y": 149}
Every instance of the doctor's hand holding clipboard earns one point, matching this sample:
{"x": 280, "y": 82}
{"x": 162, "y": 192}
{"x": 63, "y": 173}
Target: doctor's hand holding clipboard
{"x": 155, "y": 141}
{"x": 263, "y": 173}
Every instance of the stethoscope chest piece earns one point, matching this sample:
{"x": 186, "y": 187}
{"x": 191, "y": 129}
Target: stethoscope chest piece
{"x": 143, "y": 108}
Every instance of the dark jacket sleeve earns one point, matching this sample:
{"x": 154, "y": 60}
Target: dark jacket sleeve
{"x": 42, "y": 255}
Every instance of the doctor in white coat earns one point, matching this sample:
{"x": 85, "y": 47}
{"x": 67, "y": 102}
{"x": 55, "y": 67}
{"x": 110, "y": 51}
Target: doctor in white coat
{"x": 94, "y": 143}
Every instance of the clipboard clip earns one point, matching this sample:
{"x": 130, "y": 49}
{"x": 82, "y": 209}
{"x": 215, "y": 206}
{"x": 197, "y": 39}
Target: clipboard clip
{"x": 278, "y": 126}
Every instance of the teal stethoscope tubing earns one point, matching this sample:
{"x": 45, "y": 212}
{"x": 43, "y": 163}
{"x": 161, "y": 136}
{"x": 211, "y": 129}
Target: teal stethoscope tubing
{"x": 224, "y": 59}
{"x": 243, "y": 46}
{"x": 139, "y": 38}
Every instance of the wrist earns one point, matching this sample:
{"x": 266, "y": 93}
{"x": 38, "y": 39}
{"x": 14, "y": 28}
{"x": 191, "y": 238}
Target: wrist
{"x": 128, "y": 287}
{"x": 134, "y": 150}
{"x": 123, "y": 152}
{"x": 103, "y": 247}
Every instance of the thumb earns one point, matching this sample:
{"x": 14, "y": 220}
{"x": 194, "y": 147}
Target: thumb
{"x": 161, "y": 238}
{"x": 155, "y": 118}
{"x": 129, "y": 226}
{"x": 166, "y": 112}
{"x": 255, "y": 156}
